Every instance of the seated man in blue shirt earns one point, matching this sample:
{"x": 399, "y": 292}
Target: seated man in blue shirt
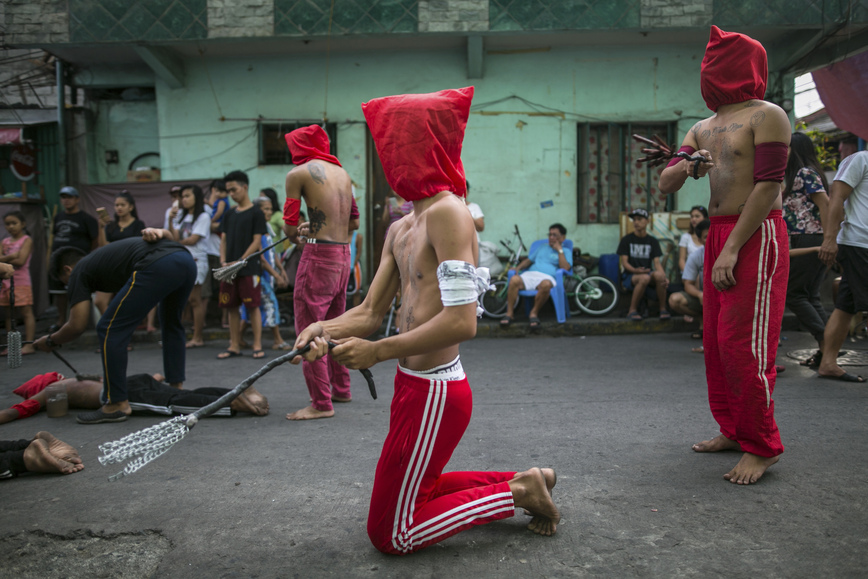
{"x": 537, "y": 272}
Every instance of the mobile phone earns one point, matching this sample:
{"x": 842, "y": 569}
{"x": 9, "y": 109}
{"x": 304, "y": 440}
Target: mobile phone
{"x": 102, "y": 212}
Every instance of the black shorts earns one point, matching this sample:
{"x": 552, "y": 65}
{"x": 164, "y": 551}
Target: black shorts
{"x": 853, "y": 291}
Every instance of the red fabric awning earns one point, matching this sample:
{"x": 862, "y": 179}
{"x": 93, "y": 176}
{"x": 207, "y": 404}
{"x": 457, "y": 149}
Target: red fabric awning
{"x": 843, "y": 87}
{"x": 10, "y": 136}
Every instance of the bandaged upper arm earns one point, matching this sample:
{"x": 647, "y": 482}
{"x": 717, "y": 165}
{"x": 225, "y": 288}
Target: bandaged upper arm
{"x": 461, "y": 283}
{"x": 769, "y": 162}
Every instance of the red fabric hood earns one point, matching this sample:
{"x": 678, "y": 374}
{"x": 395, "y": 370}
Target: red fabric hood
{"x": 734, "y": 70}
{"x": 418, "y": 138}
{"x": 309, "y": 143}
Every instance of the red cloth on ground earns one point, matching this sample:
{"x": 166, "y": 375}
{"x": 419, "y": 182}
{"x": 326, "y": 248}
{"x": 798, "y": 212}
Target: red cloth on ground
{"x": 734, "y": 69}
{"x": 770, "y": 162}
{"x": 27, "y": 408}
{"x": 37, "y": 384}
{"x": 413, "y": 503}
{"x": 741, "y": 330}
{"x": 418, "y": 138}
{"x": 309, "y": 143}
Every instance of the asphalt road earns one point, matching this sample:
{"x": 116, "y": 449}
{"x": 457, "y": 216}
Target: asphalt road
{"x": 615, "y": 415}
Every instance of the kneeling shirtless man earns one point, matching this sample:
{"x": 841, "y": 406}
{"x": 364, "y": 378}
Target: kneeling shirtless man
{"x": 429, "y": 254}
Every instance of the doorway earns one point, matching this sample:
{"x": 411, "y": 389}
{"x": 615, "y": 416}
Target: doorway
{"x": 378, "y": 187}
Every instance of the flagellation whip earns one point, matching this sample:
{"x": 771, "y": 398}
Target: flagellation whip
{"x": 143, "y": 446}
{"x": 658, "y": 152}
{"x": 229, "y": 272}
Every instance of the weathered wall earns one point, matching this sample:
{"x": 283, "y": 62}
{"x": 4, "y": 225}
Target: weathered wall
{"x": 130, "y": 127}
{"x": 514, "y": 158}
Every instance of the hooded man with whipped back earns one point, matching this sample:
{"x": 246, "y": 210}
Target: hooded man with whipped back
{"x": 746, "y": 256}
{"x": 321, "y": 281}
{"x": 430, "y": 254}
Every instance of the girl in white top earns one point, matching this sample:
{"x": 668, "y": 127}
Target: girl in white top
{"x": 689, "y": 242}
{"x": 191, "y": 226}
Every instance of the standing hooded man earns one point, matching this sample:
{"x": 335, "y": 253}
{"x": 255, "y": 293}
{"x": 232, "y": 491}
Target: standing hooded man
{"x": 324, "y": 269}
{"x": 429, "y": 254}
{"x": 746, "y": 256}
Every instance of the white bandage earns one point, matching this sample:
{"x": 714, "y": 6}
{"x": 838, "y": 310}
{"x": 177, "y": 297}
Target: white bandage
{"x": 461, "y": 283}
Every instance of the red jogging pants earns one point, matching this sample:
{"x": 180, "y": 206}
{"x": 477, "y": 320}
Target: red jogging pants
{"x": 413, "y": 505}
{"x": 741, "y": 330}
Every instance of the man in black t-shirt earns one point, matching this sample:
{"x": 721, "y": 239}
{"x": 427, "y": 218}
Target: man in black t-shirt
{"x": 243, "y": 227}
{"x": 640, "y": 261}
{"x": 141, "y": 272}
{"x": 72, "y": 228}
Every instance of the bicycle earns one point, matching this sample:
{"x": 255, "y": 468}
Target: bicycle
{"x": 493, "y": 301}
{"x": 592, "y": 294}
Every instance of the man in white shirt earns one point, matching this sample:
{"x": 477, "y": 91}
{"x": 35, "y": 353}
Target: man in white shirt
{"x": 845, "y": 239}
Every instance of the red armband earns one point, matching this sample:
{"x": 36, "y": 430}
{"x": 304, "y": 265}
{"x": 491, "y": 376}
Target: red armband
{"x": 685, "y": 149}
{"x": 769, "y": 162}
{"x": 27, "y": 408}
{"x": 354, "y": 210}
{"x": 290, "y": 211}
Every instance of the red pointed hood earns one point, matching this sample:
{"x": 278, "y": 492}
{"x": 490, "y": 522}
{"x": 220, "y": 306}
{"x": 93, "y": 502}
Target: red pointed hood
{"x": 734, "y": 70}
{"x": 419, "y": 138}
{"x": 309, "y": 143}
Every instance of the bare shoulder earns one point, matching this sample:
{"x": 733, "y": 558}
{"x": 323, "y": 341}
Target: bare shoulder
{"x": 770, "y": 123}
{"x": 450, "y": 208}
{"x": 450, "y": 227}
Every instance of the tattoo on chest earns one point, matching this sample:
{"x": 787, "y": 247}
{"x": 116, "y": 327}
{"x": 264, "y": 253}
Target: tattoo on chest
{"x": 317, "y": 219}
{"x": 752, "y": 104}
{"x": 706, "y": 133}
{"x": 730, "y": 129}
{"x": 757, "y": 119}
{"x": 317, "y": 173}
{"x": 695, "y": 129}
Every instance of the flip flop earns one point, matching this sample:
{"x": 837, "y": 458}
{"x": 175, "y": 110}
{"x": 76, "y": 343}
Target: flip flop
{"x": 665, "y": 315}
{"x": 696, "y": 335}
{"x": 635, "y": 316}
{"x": 845, "y": 377}
{"x": 98, "y": 417}
{"x": 534, "y": 323}
{"x": 699, "y": 350}
{"x": 813, "y": 361}
{"x": 259, "y": 354}
{"x": 506, "y": 322}
{"x": 225, "y": 355}
{"x": 191, "y": 345}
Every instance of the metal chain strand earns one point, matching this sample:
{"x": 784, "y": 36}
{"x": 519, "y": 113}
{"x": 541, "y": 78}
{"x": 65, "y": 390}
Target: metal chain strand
{"x": 13, "y": 345}
{"x": 143, "y": 446}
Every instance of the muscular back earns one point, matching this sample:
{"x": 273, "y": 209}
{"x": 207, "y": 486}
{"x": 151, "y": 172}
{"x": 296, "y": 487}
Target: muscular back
{"x": 328, "y": 193}
{"x": 731, "y": 136}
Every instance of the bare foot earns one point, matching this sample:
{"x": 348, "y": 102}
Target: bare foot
{"x": 310, "y": 413}
{"x": 749, "y": 469}
{"x": 27, "y": 349}
{"x": 194, "y": 344}
{"x": 37, "y": 458}
{"x": 159, "y": 377}
{"x": 252, "y": 402}
{"x": 716, "y": 444}
{"x": 529, "y": 491}
{"x": 338, "y": 399}
{"x": 551, "y": 480}
{"x": 59, "y": 449}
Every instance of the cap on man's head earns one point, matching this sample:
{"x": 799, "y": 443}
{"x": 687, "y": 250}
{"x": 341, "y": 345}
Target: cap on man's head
{"x": 69, "y": 191}
{"x": 639, "y": 213}
{"x": 175, "y": 190}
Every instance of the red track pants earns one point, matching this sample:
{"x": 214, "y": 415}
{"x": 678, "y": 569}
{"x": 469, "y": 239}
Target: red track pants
{"x": 741, "y": 330}
{"x": 413, "y": 505}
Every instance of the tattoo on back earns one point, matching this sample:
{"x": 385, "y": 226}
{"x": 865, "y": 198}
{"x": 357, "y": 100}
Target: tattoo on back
{"x": 317, "y": 219}
{"x": 757, "y": 119}
{"x": 317, "y": 173}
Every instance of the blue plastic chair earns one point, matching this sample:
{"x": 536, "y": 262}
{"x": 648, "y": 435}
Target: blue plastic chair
{"x": 558, "y": 293}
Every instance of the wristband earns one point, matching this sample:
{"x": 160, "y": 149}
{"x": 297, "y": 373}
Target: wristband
{"x": 290, "y": 211}
{"x": 50, "y": 343}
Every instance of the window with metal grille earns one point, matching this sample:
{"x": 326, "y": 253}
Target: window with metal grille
{"x": 272, "y": 144}
{"x": 610, "y": 178}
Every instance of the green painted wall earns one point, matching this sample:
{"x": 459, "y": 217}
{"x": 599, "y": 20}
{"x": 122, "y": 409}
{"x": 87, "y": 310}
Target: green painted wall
{"x": 129, "y": 127}
{"x": 515, "y": 159}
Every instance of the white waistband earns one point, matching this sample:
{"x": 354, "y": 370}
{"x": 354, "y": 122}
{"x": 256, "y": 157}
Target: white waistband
{"x": 448, "y": 371}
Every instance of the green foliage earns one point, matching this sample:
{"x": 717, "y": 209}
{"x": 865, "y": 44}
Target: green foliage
{"x": 826, "y": 153}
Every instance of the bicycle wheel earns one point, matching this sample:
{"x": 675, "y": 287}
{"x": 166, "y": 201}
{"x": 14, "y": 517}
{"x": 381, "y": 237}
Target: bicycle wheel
{"x": 596, "y": 295}
{"x": 494, "y": 300}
